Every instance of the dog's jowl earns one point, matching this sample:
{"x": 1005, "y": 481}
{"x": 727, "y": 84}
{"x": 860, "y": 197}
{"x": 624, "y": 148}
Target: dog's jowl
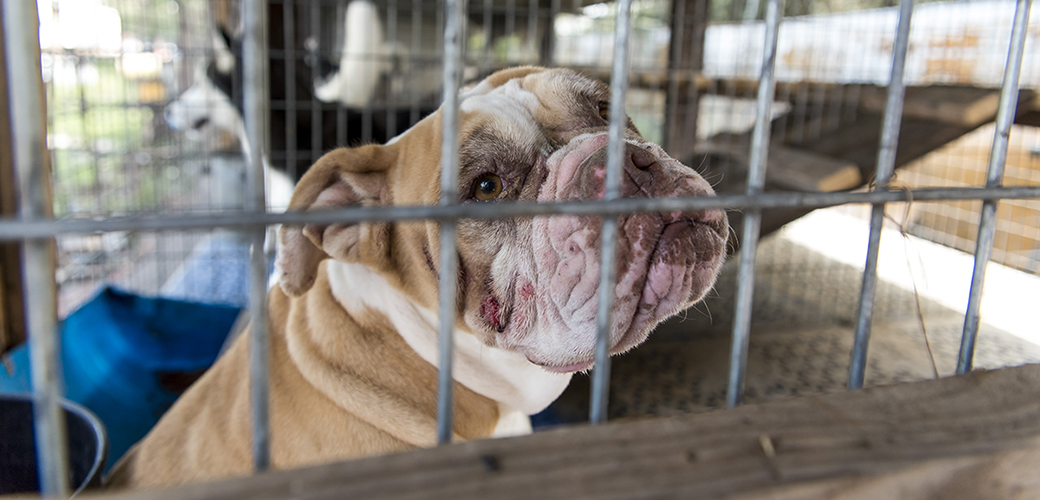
{"x": 353, "y": 323}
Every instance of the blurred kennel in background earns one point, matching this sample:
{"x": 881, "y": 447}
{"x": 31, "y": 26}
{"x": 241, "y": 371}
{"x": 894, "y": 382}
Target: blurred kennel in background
{"x": 144, "y": 118}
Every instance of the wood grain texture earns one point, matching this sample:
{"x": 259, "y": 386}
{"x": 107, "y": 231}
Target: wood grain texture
{"x": 975, "y": 433}
{"x": 957, "y": 105}
{"x": 789, "y": 168}
{"x": 12, "y": 322}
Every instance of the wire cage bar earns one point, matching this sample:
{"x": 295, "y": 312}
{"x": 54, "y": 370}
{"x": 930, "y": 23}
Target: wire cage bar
{"x": 885, "y": 166}
{"x": 753, "y": 218}
{"x": 16, "y": 230}
{"x": 29, "y": 141}
{"x": 608, "y": 235}
{"x": 254, "y": 21}
{"x": 454, "y": 11}
{"x": 994, "y": 178}
{"x": 36, "y": 230}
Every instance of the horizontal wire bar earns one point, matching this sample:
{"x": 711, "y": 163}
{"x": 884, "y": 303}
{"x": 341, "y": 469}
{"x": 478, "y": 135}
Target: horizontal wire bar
{"x": 13, "y": 229}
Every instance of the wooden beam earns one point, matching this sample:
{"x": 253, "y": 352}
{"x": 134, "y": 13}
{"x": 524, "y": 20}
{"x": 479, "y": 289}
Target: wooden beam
{"x": 12, "y": 317}
{"x": 546, "y": 32}
{"x": 956, "y": 105}
{"x": 972, "y": 436}
{"x": 689, "y": 24}
{"x": 789, "y": 168}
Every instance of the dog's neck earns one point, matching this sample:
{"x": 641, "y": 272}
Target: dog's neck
{"x": 503, "y": 376}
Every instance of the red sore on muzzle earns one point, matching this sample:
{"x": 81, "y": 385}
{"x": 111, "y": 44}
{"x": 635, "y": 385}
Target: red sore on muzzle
{"x": 492, "y": 312}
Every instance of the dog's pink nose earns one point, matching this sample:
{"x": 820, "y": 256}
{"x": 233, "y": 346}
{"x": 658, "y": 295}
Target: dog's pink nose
{"x": 641, "y": 158}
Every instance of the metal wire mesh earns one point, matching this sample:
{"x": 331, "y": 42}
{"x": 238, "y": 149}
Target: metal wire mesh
{"x": 120, "y": 168}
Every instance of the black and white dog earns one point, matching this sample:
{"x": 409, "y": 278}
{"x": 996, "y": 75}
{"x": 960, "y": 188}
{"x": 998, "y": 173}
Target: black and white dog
{"x": 315, "y": 104}
{"x": 340, "y": 75}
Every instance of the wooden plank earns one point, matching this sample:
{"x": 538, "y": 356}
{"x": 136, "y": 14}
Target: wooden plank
{"x": 12, "y": 320}
{"x": 1009, "y": 474}
{"x": 957, "y": 105}
{"x": 1029, "y": 111}
{"x": 685, "y": 56}
{"x": 807, "y": 171}
{"x": 857, "y": 142}
{"x": 1030, "y": 118}
{"x": 791, "y": 168}
{"x": 982, "y": 423}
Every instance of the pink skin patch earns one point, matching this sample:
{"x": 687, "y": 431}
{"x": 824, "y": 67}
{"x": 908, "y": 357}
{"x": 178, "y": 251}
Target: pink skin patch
{"x": 665, "y": 261}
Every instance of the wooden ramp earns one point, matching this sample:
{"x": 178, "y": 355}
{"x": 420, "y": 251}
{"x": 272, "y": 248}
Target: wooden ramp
{"x": 835, "y": 147}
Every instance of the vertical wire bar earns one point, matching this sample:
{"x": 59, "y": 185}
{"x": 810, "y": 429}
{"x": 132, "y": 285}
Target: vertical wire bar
{"x": 449, "y": 188}
{"x": 994, "y": 178}
{"x": 753, "y": 218}
{"x": 532, "y": 29}
{"x": 675, "y": 64}
{"x": 289, "y": 63}
{"x": 417, "y": 15}
{"x": 317, "y": 135}
{"x": 254, "y": 90}
{"x": 608, "y": 235}
{"x": 391, "y": 97}
{"x": 488, "y": 34}
{"x": 510, "y": 27}
{"x": 886, "y": 161}
{"x": 28, "y": 130}
{"x": 341, "y": 112}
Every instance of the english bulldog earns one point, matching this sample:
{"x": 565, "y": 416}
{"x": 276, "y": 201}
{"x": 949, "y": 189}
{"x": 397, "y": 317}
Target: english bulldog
{"x": 353, "y": 323}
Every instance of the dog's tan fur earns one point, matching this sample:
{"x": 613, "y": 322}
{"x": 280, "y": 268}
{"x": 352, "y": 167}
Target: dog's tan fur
{"x": 346, "y": 379}
{"x": 390, "y": 391}
{"x": 376, "y": 395}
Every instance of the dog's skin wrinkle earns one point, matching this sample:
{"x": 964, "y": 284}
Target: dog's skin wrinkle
{"x": 354, "y": 320}
{"x": 504, "y": 376}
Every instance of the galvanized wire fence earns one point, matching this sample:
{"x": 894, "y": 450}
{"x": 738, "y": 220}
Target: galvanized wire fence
{"x": 676, "y": 103}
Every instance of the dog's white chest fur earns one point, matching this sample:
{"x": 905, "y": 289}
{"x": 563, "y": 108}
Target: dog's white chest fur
{"x": 504, "y": 376}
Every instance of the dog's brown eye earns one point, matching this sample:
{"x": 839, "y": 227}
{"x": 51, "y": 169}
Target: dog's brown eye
{"x": 604, "y": 111}
{"x": 487, "y": 187}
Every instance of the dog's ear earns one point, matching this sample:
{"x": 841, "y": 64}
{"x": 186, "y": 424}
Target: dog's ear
{"x": 341, "y": 178}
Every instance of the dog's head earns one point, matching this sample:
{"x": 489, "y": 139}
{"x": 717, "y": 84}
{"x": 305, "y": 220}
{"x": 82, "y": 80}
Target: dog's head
{"x": 527, "y": 285}
{"x": 210, "y": 110}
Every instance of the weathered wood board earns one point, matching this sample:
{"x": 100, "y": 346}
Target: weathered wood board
{"x": 972, "y": 436}
{"x": 12, "y": 324}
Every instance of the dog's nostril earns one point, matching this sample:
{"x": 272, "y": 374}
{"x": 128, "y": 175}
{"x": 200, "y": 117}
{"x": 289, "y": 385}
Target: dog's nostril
{"x": 642, "y": 159}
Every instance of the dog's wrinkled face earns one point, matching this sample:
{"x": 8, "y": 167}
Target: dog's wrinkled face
{"x": 529, "y": 285}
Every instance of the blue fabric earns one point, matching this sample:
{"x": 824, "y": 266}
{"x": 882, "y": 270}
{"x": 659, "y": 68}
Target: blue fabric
{"x": 127, "y": 358}
{"x": 217, "y": 272}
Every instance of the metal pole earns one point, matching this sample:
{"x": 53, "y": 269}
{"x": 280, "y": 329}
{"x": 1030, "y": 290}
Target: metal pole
{"x": 885, "y": 165}
{"x": 994, "y": 178}
{"x": 608, "y": 235}
{"x": 28, "y": 130}
{"x": 12, "y": 230}
{"x": 254, "y": 99}
{"x": 753, "y": 217}
{"x": 449, "y": 195}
